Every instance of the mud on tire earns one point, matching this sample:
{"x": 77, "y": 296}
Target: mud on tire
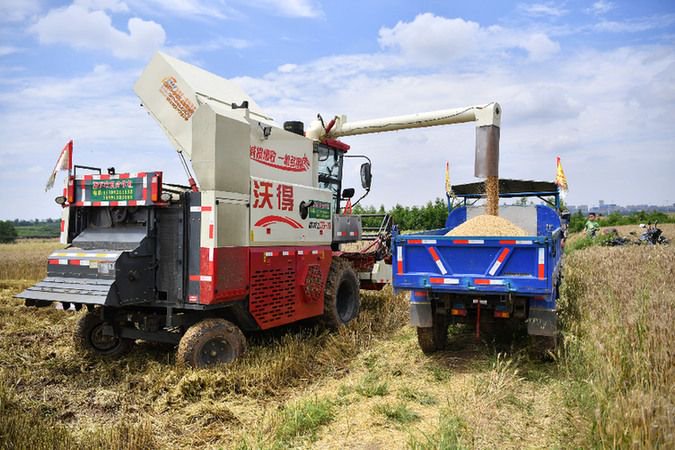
{"x": 89, "y": 337}
{"x": 342, "y": 299}
{"x": 209, "y": 343}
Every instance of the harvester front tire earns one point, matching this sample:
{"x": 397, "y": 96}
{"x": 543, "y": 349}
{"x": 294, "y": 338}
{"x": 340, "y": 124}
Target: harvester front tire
{"x": 90, "y": 339}
{"x": 433, "y": 338}
{"x": 342, "y": 298}
{"x": 209, "y": 343}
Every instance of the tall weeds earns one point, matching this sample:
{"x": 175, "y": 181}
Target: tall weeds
{"x": 618, "y": 308}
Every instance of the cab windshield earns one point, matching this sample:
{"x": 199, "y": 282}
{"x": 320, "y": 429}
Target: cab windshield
{"x": 330, "y": 172}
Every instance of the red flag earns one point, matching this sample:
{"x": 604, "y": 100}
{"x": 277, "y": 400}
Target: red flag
{"x": 65, "y": 162}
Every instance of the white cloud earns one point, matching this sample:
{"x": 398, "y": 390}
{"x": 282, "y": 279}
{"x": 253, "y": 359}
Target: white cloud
{"x": 601, "y": 7}
{"x": 8, "y": 50}
{"x": 108, "y": 5}
{"x": 285, "y": 68}
{"x": 599, "y": 110}
{"x": 635, "y": 25}
{"x": 602, "y": 111}
{"x": 98, "y": 110}
{"x": 542, "y": 9}
{"x": 94, "y": 31}
{"x": 435, "y": 40}
{"x": 290, "y": 8}
{"x": 18, "y": 10}
{"x": 233, "y": 9}
{"x": 186, "y": 8}
{"x": 186, "y": 51}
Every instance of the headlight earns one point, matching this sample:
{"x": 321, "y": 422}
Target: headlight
{"x": 165, "y": 197}
{"x": 61, "y": 200}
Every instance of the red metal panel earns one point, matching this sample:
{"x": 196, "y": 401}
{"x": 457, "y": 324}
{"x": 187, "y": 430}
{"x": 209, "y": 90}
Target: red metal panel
{"x": 223, "y": 274}
{"x": 287, "y": 283}
{"x": 231, "y": 272}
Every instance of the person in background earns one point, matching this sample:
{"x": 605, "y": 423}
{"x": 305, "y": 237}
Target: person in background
{"x": 592, "y": 226}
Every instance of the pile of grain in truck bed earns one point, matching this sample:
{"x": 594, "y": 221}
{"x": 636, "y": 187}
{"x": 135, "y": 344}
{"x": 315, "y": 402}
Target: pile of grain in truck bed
{"x": 487, "y": 225}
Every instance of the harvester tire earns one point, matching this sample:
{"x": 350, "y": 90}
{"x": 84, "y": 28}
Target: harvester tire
{"x": 209, "y": 343}
{"x": 435, "y": 337}
{"x": 90, "y": 339}
{"x": 342, "y": 298}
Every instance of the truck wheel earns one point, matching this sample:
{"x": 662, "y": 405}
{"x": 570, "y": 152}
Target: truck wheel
{"x": 342, "y": 299}
{"x": 433, "y": 338}
{"x": 89, "y": 337}
{"x": 542, "y": 347}
{"x": 209, "y": 343}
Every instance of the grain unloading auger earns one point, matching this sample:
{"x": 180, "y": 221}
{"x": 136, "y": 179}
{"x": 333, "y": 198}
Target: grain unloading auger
{"x": 253, "y": 243}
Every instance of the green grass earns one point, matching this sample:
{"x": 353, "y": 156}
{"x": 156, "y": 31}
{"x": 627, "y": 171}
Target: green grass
{"x": 421, "y": 397}
{"x": 372, "y": 386}
{"x": 303, "y": 419}
{"x": 448, "y": 435}
{"x": 397, "y": 412}
{"x": 47, "y": 230}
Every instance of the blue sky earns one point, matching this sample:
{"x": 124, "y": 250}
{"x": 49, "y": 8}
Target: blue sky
{"x": 591, "y": 81}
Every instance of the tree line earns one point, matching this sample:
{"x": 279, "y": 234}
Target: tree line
{"x": 428, "y": 217}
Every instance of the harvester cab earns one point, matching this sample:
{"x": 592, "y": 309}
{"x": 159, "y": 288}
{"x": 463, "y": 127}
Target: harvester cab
{"x": 253, "y": 242}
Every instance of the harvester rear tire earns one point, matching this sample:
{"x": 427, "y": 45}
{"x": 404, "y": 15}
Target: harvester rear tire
{"x": 342, "y": 298}
{"x": 209, "y": 343}
{"x": 433, "y": 338}
{"x": 90, "y": 339}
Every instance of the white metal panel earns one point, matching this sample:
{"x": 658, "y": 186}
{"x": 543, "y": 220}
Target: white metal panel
{"x": 281, "y": 156}
{"x": 172, "y": 90}
{"x": 275, "y": 214}
{"x": 220, "y": 150}
{"x": 232, "y": 220}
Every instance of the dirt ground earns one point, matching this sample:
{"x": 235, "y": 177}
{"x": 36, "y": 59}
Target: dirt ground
{"x": 368, "y": 387}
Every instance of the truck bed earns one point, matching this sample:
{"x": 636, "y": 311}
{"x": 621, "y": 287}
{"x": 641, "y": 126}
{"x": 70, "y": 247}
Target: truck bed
{"x": 432, "y": 261}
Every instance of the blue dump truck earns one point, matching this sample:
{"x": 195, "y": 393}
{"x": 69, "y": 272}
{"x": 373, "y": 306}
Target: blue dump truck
{"x": 495, "y": 284}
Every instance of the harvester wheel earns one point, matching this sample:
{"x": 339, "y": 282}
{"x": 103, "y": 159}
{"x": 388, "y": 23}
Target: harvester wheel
{"x": 209, "y": 343}
{"x": 433, "y": 338}
{"x": 342, "y": 299}
{"x": 90, "y": 337}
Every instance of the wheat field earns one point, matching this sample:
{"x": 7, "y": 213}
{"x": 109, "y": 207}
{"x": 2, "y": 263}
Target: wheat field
{"x": 368, "y": 386}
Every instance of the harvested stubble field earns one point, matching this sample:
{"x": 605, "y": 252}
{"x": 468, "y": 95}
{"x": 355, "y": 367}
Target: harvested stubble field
{"x": 368, "y": 386}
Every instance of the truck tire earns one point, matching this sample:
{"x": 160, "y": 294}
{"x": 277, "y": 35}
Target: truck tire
{"x": 342, "y": 299}
{"x": 542, "y": 347}
{"x": 209, "y": 343}
{"x": 433, "y": 338}
{"x": 90, "y": 339}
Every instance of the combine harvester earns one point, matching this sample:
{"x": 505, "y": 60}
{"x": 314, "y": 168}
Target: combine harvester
{"x": 252, "y": 244}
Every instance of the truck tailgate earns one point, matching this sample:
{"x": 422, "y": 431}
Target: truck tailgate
{"x": 465, "y": 264}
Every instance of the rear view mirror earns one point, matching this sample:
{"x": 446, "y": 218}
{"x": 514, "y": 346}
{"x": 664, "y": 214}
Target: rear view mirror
{"x": 348, "y": 193}
{"x": 366, "y": 176}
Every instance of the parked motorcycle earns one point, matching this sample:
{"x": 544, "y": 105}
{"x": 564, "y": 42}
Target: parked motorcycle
{"x": 652, "y": 234}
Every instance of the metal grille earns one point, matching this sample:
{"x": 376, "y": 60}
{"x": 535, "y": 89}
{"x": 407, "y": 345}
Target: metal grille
{"x": 170, "y": 253}
{"x": 272, "y": 297}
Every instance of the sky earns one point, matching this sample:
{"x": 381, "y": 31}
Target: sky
{"x": 590, "y": 81}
